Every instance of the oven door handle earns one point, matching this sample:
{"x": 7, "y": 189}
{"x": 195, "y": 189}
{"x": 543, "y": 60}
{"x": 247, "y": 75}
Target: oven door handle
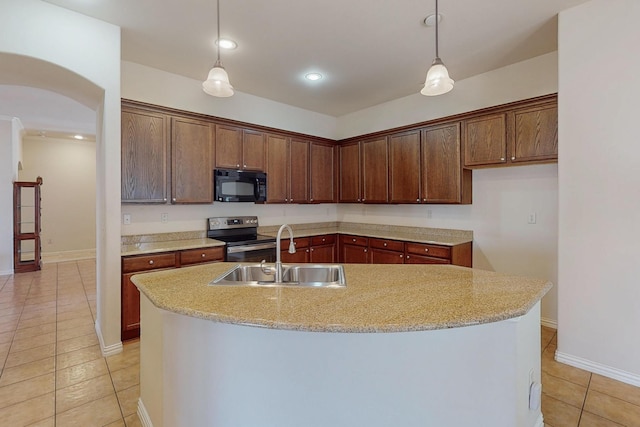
{"x": 248, "y": 248}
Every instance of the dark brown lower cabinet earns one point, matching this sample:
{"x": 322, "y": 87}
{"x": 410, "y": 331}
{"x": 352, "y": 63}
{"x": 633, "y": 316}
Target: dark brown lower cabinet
{"x": 136, "y": 264}
{"x": 354, "y": 249}
{"x": 323, "y": 249}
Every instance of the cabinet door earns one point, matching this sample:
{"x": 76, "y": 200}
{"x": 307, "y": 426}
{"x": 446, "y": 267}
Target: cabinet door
{"x": 323, "y": 254}
{"x": 130, "y": 315}
{"x": 301, "y": 256}
{"x": 228, "y": 147}
{"x": 145, "y": 153}
{"x": 419, "y": 259}
{"x": 534, "y": 134}
{"x": 349, "y": 170}
{"x": 485, "y": 140}
{"x": 442, "y": 175}
{"x": 404, "y": 168}
{"x": 382, "y": 256}
{"x": 277, "y": 170}
{"x": 321, "y": 173}
{"x": 354, "y": 254}
{"x": 375, "y": 171}
{"x": 191, "y": 161}
{"x": 299, "y": 171}
{"x": 253, "y": 150}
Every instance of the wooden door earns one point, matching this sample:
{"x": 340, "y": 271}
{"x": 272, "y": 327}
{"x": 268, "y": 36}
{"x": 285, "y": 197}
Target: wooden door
{"x": 442, "y": 175}
{"x": 191, "y": 161}
{"x": 404, "y": 167}
{"x": 375, "y": 171}
{"x": 228, "y": 147}
{"x": 277, "y": 169}
{"x": 321, "y": 173}
{"x": 349, "y": 171}
{"x": 144, "y": 157}
{"x": 26, "y": 226}
{"x": 253, "y": 150}
{"x": 299, "y": 171}
{"x": 485, "y": 140}
{"x": 534, "y": 134}
{"x": 130, "y": 315}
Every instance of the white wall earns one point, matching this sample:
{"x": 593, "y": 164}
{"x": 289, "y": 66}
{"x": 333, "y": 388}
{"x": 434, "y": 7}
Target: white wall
{"x": 599, "y": 184}
{"x": 68, "y": 170}
{"x": 10, "y": 128}
{"x": 45, "y": 46}
{"x": 158, "y": 87}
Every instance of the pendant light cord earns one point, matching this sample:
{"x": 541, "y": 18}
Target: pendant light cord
{"x": 437, "y": 19}
{"x": 218, "y": 26}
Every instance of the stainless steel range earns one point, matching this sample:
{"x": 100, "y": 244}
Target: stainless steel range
{"x": 244, "y": 244}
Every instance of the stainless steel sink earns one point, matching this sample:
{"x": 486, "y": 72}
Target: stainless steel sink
{"x": 312, "y": 275}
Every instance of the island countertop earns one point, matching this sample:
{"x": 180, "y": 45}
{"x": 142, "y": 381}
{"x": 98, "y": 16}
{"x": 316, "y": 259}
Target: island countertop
{"x": 377, "y": 298}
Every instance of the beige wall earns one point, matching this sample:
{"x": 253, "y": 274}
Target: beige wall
{"x": 599, "y": 182}
{"x": 68, "y": 169}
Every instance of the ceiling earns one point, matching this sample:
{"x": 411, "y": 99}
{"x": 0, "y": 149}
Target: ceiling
{"x": 369, "y": 51}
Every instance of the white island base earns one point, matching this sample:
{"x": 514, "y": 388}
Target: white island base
{"x": 202, "y": 373}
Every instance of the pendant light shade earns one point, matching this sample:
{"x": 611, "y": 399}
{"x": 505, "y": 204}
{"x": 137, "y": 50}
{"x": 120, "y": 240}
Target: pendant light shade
{"x": 217, "y": 83}
{"x": 438, "y": 80}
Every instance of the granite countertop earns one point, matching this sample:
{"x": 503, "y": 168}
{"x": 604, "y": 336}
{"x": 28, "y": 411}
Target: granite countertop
{"x": 141, "y": 248}
{"x": 377, "y": 298}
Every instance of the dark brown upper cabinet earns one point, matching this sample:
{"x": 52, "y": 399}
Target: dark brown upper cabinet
{"x": 485, "y": 140}
{"x": 375, "y": 170}
{"x": 349, "y": 188}
{"x": 404, "y": 167}
{"x": 240, "y": 149}
{"x": 534, "y": 134}
{"x": 191, "y": 161}
{"x": 322, "y": 173}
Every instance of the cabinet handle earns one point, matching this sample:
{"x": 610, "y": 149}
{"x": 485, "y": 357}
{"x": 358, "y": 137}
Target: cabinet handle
{"x": 408, "y": 256}
{"x": 502, "y": 159}
{"x": 365, "y": 250}
{"x": 426, "y": 249}
{"x": 418, "y": 199}
{"x": 385, "y": 244}
{"x": 203, "y": 256}
{"x": 324, "y": 240}
{"x": 312, "y": 249}
{"x": 401, "y": 256}
{"x": 307, "y": 250}
{"x": 237, "y": 166}
{"x": 150, "y": 262}
{"x": 173, "y": 200}
{"x": 354, "y": 240}
{"x": 311, "y": 199}
{"x": 513, "y": 158}
{"x": 244, "y": 166}
{"x": 424, "y": 200}
{"x": 164, "y": 200}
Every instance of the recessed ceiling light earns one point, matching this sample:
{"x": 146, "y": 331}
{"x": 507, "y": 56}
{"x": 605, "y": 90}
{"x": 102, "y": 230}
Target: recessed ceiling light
{"x": 226, "y": 44}
{"x": 313, "y": 76}
{"x": 78, "y": 136}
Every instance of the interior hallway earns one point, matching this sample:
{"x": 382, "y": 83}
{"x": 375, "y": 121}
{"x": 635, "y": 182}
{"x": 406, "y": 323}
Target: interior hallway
{"x": 53, "y": 373}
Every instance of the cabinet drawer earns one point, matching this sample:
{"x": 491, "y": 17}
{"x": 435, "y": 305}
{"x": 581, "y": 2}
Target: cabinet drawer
{"x": 328, "y": 239}
{"x": 148, "y": 262}
{"x": 196, "y": 256}
{"x": 428, "y": 250}
{"x": 390, "y": 245}
{"x": 354, "y": 240}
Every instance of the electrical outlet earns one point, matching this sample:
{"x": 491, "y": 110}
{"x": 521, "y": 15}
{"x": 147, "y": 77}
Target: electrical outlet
{"x": 164, "y": 217}
{"x": 532, "y": 218}
{"x": 126, "y": 219}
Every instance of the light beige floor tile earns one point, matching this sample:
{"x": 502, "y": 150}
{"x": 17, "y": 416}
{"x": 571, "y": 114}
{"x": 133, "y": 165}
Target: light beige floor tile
{"x": 6, "y": 337}
{"x": 128, "y": 400}
{"x": 29, "y": 411}
{"x": 31, "y": 355}
{"x": 11, "y": 327}
{"x": 75, "y": 323}
{"x": 76, "y": 332}
{"x": 615, "y": 388}
{"x": 21, "y": 344}
{"x": 612, "y": 408}
{"x": 77, "y": 343}
{"x": 130, "y": 356}
{"x": 75, "y": 314}
{"x": 83, "y": 392}
{"x": 25, "y": 390}
{"x": 36, "y": 310}
{"x": 78, "y": 373}
{"x": 119, "y": 423}
{"x": 27, "y": 371}
{"x": 77, "y": 357}
{"x": 590, "y": 420}
{"x": 133, "y": 421}
{"x": 126, "y": 378}
{"x": 559, "y": 414}
{"x": 35, "y": 330}
{"x": 35, "y": 321}
{"x": 49, "y": 422}
{"x": 5, "y": 347}
{"x": 97, "y": 413}
{"x": 10, "y": 310}
{"x": 563, "y": 390}
{"x": 560, "y": 370}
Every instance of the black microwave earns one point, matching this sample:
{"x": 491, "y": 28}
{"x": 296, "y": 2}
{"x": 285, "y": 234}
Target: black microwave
{"x": 239, "y": 186}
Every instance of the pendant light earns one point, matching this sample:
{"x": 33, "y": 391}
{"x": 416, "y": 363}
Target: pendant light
{"x": 217, "y": 83}
{"x": 438, "y": 80}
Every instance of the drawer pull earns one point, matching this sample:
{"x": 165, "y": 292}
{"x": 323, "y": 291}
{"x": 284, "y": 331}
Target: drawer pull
{"x": 401, "y": 256}
{"x": 150, "y": 262}
{"x": 408, "y": 256}
{"x": 384, "y": 244}
{"x": 354, "y": 240}
{"x": 513, "y": 158}
{"x": 426, "y": 249}
{"x": 203, "y": 256}
{"x": 324, "y": 240}
{"x": 365, "y": 250}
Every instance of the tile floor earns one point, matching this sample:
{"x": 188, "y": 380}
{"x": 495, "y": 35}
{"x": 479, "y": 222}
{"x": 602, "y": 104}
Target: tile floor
{"x": 52, "y": 370}
{"x": 53, "y": 373}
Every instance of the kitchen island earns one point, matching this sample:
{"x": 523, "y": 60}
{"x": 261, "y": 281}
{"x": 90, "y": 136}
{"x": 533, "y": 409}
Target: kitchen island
{"x": 407, "y": 345}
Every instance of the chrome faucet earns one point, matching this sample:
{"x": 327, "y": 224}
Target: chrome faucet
{"x": 292, "y": 250}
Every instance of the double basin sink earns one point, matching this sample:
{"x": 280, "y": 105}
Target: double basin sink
{"x": 311, "y": 275}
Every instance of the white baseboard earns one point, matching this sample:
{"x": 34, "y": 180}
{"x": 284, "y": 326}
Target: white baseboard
{"x": 539, "y": 421}
{"x": 107, "y": 350}
{"x": 6, "y": 272}
{"x": 62, "y": 256}
{"x": 549, "y": 323}
{"x": 143, "y": 415}
{"x": 598, "y": 368}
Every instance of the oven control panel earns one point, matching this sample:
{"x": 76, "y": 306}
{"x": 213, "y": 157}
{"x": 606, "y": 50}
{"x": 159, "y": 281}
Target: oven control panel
{"x": 223, "y": 223}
